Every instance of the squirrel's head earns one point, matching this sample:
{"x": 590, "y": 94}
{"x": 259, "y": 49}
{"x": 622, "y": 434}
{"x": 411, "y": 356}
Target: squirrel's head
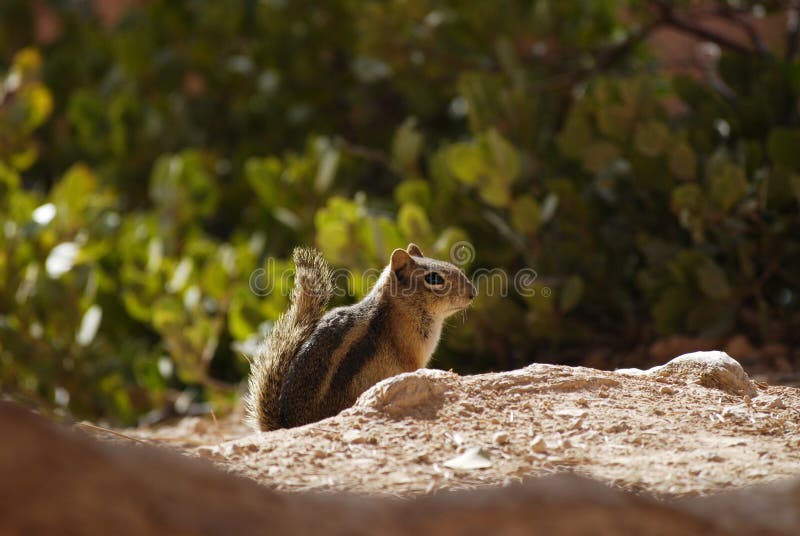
{"x": 440, "y": 288}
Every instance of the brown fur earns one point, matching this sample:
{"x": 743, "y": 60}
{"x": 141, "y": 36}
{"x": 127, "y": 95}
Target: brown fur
{"x": 312, "y": 290}
{"x": 314, "y": 366}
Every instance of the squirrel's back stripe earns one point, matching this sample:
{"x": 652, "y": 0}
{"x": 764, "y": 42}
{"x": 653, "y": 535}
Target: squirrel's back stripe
{"x": 361, "y": 350}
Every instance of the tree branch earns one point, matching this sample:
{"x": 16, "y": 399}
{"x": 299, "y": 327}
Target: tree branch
{"x": 668, "y": 17}
{"x": 728, "y": 13}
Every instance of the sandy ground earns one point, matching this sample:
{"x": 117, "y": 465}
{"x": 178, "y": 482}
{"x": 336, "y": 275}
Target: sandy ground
{"x": 696, "y": 426}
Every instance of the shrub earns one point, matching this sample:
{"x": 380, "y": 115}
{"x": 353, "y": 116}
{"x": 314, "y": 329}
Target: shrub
{"x": 156, "y": 172}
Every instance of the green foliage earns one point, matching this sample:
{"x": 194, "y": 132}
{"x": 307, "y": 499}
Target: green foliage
{"x": 156, "y": 171}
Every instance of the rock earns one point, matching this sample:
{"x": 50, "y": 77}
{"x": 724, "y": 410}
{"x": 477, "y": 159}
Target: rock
{"x": 473, "y": 458}
{"x": 354, "y": 437}
{"x": 414, "y": 394}
{"x": 769, "y": 402}
{"x": 713, "y": 369}
{"x": 500, "y": 438}
{"x": 538, "y": 445}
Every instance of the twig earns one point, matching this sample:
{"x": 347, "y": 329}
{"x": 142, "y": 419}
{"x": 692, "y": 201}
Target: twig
{"x": 365, "y": 153}
{"x": 507, "y": 232}
{"x": 216, "y": 427}
{"x": 112, "y": 432}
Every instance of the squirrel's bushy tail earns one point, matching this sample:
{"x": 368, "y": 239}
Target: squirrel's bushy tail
{"x": 313, "y": 287}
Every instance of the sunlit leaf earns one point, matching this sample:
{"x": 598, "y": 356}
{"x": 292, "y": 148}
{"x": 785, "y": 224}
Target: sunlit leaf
{"x": 525, "y": 214}
{"x": 415, "y": 191}
{"x": 407, "y": 145}
{"x": 90, "y": 323}
{"x": 414, "y": 223}
{"x": 466, "y": 162}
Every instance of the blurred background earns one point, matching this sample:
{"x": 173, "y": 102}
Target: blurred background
{"x": 643, "y": 157}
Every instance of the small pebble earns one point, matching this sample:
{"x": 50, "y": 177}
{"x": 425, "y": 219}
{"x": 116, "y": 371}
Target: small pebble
{"x": 500, "y": 438}
{"x": 538, "y": 444}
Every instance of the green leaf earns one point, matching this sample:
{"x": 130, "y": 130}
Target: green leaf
{"x": 214, "y": 280}
{"x": 615, "y": 120}
{"x": 168, "y": 313}
{"x": 415, "y": 191}
{"x": 414, "y": 224}
{"x": 687, "y": 197}
{"x": 651, "y": 138}
{"x": 73, "y": 193}
{"x": 334, "y": 240}
{"x": 182, "y": 187}
{"x": 501, "y": 162}
{"x": 525, "y": 215}
{"x": 9, "y": 181}
{"x": 326, "y": 170}
{"x": 688, "y": 204}
{"x": 90, "y": 323}
{"x": 575, "y": 135}
{"x": 443, "y": 247}
{"x": 25, "y": 158}
{"x": 549, "y": 207}
{"x": 465, "y": 161}
{"x": 407, "y": 145}
{"x": 727, "y": 185}
{"x": 27, "y": 62}
{"x": 491, "y": 163}
{"x": 136, "y": 306}
{"x": 38, "y": 103}
{"x": 244, "y": 316}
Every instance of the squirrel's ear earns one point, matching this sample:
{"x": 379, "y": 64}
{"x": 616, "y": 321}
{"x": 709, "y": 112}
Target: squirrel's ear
{"x": 413, "y": 249}
{"x": 400, "y": 259}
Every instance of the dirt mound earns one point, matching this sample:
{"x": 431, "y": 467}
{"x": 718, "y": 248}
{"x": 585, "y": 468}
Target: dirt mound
{"x": 693, "y": 426}
{"x": 57, "y": 481}
{"x": 696, "y": 426}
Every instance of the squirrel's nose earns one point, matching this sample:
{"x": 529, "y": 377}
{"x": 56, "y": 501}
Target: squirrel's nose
{"x": 472, "y": 291}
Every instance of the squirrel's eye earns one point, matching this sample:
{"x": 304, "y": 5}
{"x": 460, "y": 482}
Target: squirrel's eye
{"x": 432, "y": 278}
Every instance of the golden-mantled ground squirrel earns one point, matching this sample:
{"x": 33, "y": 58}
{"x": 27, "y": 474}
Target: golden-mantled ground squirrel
{"x": 312, "y": 366}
